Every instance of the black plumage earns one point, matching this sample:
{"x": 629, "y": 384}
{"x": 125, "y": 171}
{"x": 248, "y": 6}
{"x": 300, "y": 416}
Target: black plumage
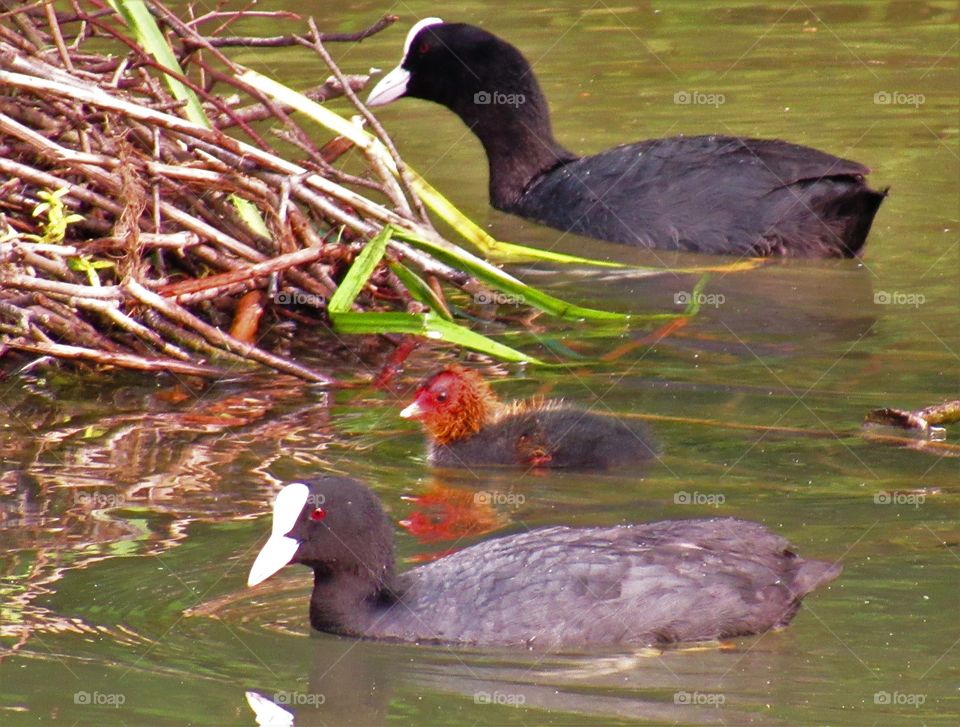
{"x": 550, "y": 588}
{"x": 710, "y": 194}
{"x": 707, "y": 194}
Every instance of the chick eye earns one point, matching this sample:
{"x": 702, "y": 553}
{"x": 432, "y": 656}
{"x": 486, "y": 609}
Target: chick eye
{"x": 318, "y": 514}
{"x": 441, "y": 397}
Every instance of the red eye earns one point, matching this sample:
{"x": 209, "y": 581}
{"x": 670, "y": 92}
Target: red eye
{"x": 318, "y": 514}
{"x": 423, "y": 47}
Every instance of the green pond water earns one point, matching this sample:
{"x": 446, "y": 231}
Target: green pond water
{"x": 131, "y": 508}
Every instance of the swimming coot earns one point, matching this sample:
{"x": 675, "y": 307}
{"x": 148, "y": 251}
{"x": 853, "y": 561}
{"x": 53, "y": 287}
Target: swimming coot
{"x": 467, "y": 425}
{"x": 547, "y": 589}
{"x": 708, "y": 194}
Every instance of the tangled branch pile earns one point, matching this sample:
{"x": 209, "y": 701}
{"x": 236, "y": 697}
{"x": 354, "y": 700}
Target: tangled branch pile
{"x": 132, "y": 236}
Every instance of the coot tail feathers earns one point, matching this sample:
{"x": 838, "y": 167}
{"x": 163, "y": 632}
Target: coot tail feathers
{"x": 811, "y": 574}
{"x": 856, "y": 210}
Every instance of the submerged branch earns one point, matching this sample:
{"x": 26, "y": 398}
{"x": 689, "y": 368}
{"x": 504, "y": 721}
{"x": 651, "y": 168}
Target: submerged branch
{"x": 921, "y": 420}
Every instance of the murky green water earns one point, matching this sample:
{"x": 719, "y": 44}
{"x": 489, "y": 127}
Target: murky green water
{"x": 130, "y": 511}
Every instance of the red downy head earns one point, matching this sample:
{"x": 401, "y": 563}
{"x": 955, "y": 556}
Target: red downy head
{"x": 452, "y": 404}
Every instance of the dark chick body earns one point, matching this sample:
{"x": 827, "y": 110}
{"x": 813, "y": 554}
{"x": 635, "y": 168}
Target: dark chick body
{"x": 708, "y": 194}
{"x": 554, "y": 437}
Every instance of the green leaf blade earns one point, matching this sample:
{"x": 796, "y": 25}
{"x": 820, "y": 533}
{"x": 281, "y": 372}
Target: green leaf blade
{"x": 496, "y": 278}
{"x": 359, "y": 273}
{"x": 430, "y": 326}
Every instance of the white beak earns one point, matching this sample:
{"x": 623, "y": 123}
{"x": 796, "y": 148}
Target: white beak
{"x": 394, "y": 84}
{"x": 279, "y": 549}
{"x": 411, "y": 412}
{"x": 267, "y": 713}
{"x": 390, "y": 88}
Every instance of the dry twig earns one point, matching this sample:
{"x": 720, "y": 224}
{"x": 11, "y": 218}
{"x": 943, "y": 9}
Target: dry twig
{"x": 117, "y": 216}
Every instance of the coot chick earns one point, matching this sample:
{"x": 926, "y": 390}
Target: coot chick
{"x": 707, "y": 194}
{"x": 547, "y": 589}
{"x": 467, "y": 425}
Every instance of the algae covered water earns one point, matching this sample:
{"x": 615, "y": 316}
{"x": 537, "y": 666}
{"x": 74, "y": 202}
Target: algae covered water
{"x": 131, "y": 508}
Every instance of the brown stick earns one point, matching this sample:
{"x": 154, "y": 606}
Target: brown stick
{"x": 281, "y": 262}
{"x": 381, "y": 133}
{"x": 123, "y": 360}
{"x": 29, "y": 282}
{"x": 219, "y": 338}
{"x": 283, "y": 41}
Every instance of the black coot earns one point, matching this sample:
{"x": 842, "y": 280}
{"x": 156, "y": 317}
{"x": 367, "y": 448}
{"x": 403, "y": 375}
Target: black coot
{"x": 708, "y": 194}
{"x": 547, "y": 589}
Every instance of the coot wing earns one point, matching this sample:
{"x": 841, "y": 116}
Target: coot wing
{"x": 703, "y": 193}
{"x": 561, "y": 587}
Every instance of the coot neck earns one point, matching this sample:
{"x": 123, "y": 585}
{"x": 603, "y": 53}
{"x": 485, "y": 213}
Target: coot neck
{"x": 515, "y": 131}
{"x": 347, "y": 601}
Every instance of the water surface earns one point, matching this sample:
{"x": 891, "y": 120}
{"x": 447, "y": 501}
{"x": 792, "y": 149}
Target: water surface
{"x": 131, "y": 508}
